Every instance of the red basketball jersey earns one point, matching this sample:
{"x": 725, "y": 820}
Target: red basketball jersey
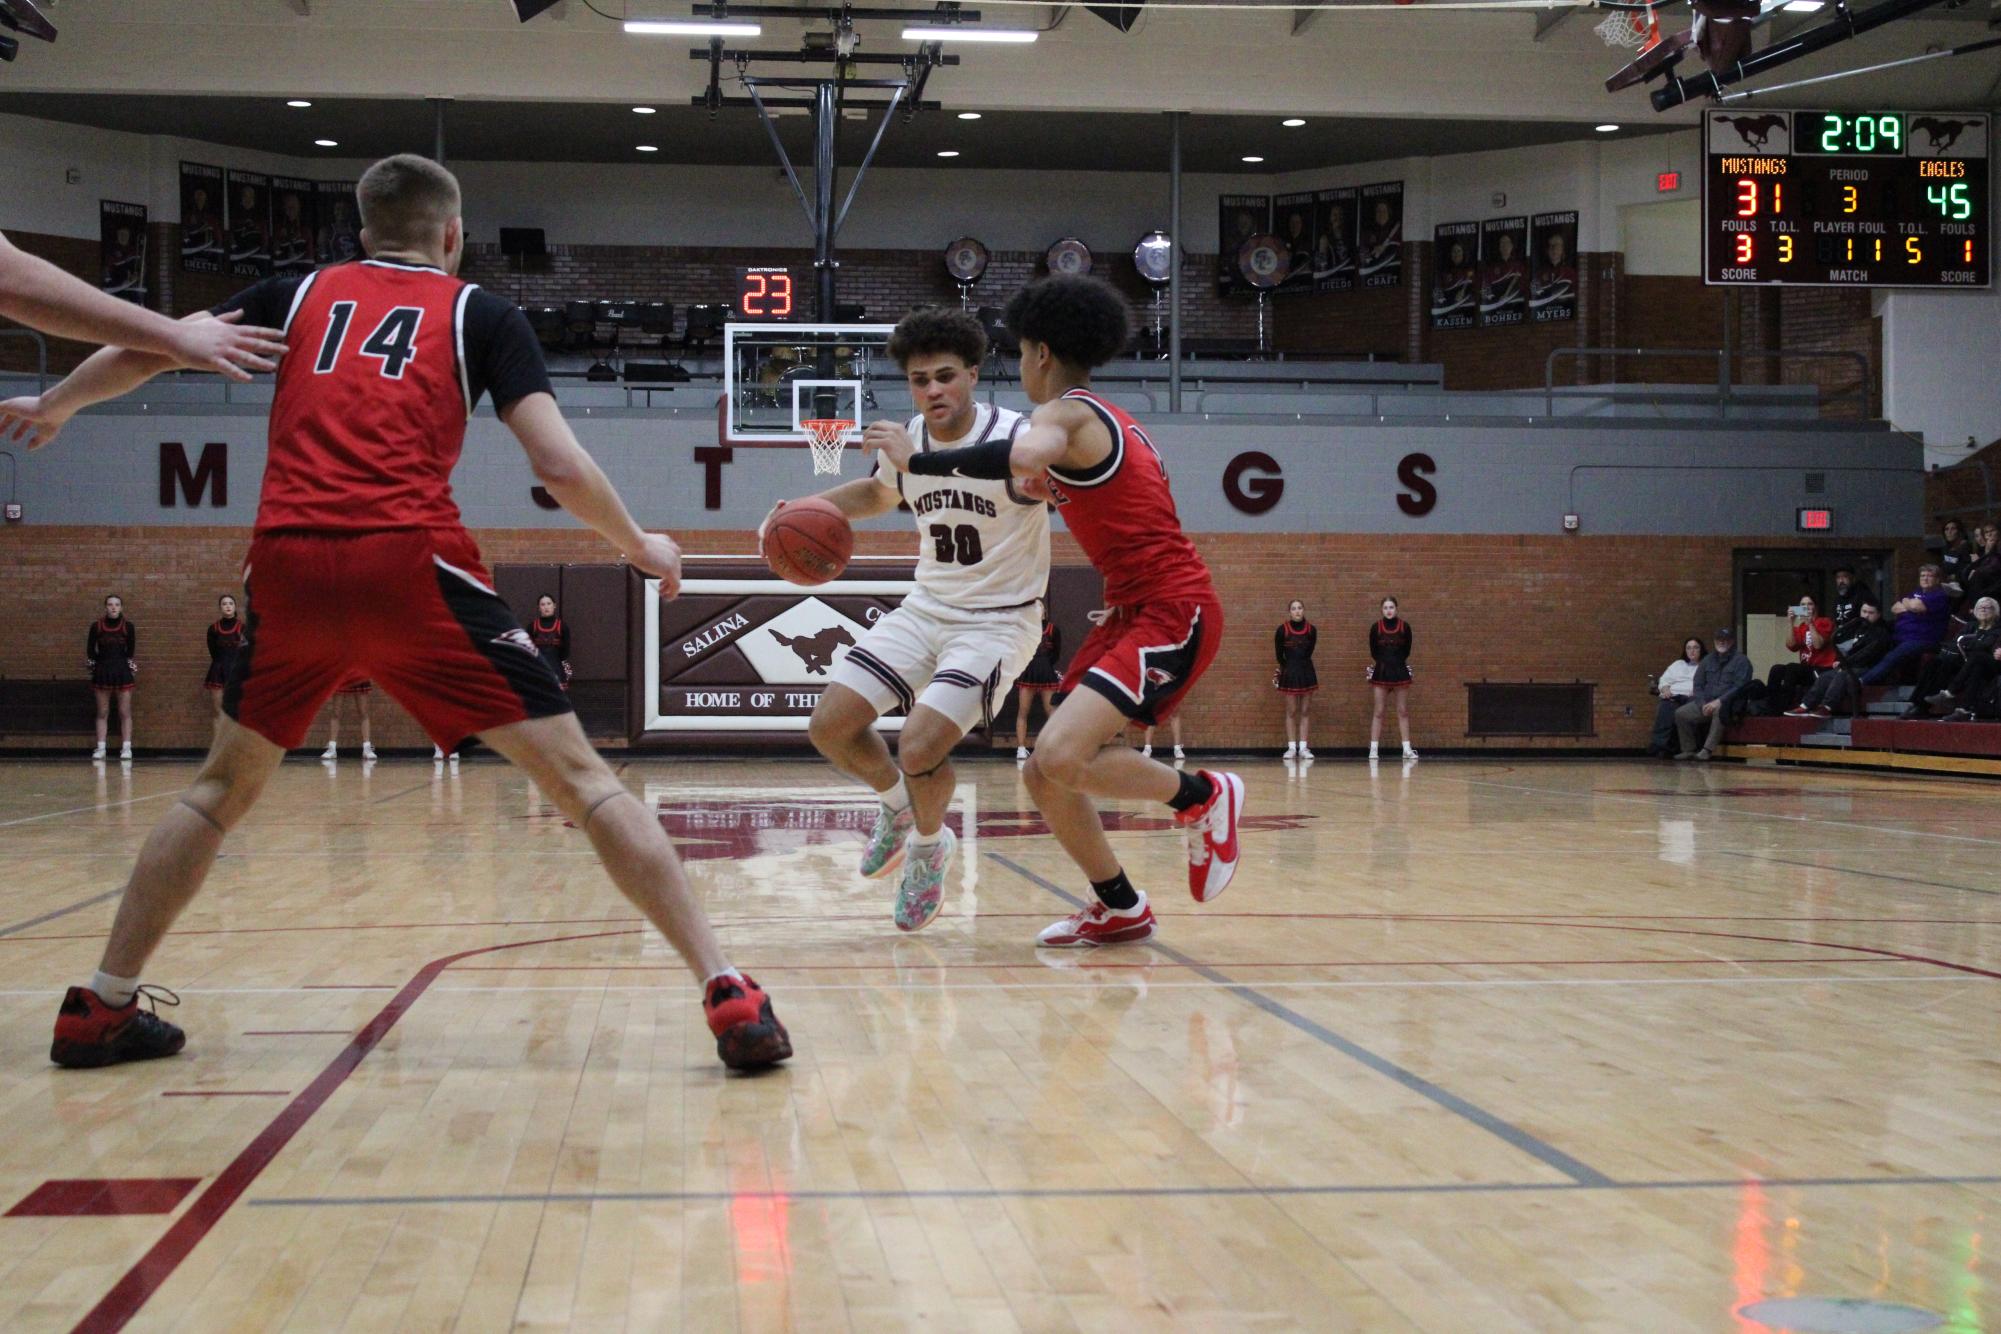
{"x": 372, "y": 401}
{"x": 1122, "y": 513}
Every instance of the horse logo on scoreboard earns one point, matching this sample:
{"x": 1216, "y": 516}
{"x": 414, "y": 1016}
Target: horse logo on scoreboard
{"x": 1767, "y": 133}
{"x": 1947, "y": 136}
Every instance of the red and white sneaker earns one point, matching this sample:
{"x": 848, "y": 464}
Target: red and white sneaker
{"x": 1098, "y": 925}
{"x": 1210, "y": 831}
{"x": 748, "y": 1035}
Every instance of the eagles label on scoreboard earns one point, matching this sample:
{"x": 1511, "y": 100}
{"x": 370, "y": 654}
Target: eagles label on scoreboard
{"x": 1847, "y": 199}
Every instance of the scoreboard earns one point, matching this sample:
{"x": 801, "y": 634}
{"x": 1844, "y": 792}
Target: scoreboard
{"x": 1847, "y": 199}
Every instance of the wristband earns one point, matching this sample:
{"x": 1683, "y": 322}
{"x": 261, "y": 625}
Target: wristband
{"x": 989, "y": 462}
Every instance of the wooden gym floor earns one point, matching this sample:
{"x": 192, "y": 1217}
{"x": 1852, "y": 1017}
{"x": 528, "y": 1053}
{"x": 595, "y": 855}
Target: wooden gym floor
{"x": 1469, "y": 1047}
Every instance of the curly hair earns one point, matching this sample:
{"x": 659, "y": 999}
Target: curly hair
{"x": 939, "y": 329}
{"x": 1083, "y": 321}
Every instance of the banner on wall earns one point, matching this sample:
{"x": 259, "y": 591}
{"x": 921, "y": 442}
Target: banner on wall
{"x": 293, "y": 238}
{"x": 1504, "y": 271}
{"x": 1553, "y": 267}
{"x": 339, "y": 219}
{"x": 121, "y": 250}
{"x": 1293, "y": 218}
{"x": 1334, "y": 240}
{"x": 249, "y": 194}
{"x": 1455, "y": 279}
{"x": 1381, "y": 262}
{"x": 204, "y": 244}
{"x": 1238, "y": 219}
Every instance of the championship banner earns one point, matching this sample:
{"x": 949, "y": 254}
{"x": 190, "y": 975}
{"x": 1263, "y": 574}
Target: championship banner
{"x": 742, "y": 651}
{"x": 1455, "y": 248}
{"x": 249, "y": 195}
{"x": 1238, "y": 219}
{"x": 121, "y": 250}
{"x": 203, "y": 242}
{"x": 339, "y": 220}
{"x": 1553, "y": 267}
{"x": 1334, "y": 240}
{"x": 293, "y": 239}
{"x": 1504, "y": 271}
{"x": 1295, "y": 216}
{"x": 1382, "y": 235}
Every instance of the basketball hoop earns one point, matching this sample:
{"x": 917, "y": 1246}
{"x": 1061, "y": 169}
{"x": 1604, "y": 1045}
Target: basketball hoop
{"x": 1634, "y": 29}
{"x": 826, "y": 437}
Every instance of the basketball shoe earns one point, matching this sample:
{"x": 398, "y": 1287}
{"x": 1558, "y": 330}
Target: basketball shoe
{"x": 1095, "y": 924}
{"x": 1210, "y": 833}
{"x": 922, "y": 892}
{"x": 748, "y": 1034}
{"x": 884, "y": 852}
{"x": 91, "y": 1033}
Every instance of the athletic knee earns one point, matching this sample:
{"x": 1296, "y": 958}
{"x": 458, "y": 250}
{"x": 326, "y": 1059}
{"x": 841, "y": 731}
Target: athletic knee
{"x": 830, "y": 734}
{"x": 1055, "y": 766}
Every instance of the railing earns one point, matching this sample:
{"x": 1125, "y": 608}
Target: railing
{"x": 41, "y": 354}
{"x": 1723, "y": 357}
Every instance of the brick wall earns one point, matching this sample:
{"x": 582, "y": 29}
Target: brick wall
{"x": 1546, "y": 608}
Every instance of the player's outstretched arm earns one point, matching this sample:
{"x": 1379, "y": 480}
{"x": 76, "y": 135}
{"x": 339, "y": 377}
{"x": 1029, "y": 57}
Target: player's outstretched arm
{"x": 41, "y": 296}
{"x": 863, "y": 498}
{"x": 1060, "y": 434}
{"x": 573, "y": 477}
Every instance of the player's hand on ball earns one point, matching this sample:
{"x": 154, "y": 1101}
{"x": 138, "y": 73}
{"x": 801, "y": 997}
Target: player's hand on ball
{"x": 891, "y": 441}
{"x": 27, "y": 421}
{"x": 659, "y": 556}
{"x": 766, "y": 523}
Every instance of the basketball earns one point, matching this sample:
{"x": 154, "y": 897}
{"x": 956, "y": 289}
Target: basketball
{"x": 808, "y": 542}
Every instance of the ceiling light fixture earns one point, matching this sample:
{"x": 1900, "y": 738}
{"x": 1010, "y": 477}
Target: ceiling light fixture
{"x": 948, "y": 152}
{"x": 298, "y": 102}
{"x": 1293, "y": 122}
{"x": 642, "y": 111}
{"x": 326, "y": 143}
{"x": 1606, "y": 129}
{"x": 648, "y": 148}
{"x": 937, "y": 33}
{"x": 969, "y": 115}
{"x": 1253, "y": 158}
{"x": 692, "y": 28}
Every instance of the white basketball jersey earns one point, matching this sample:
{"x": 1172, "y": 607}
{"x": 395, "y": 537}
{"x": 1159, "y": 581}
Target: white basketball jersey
{"x": 981, "y": 546}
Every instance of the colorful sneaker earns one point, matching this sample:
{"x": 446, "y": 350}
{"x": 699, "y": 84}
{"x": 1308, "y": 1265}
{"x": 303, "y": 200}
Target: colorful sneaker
{"x": 748, "y": 1034}
{"x": 1210, "y": 832}
{"x": 922, "y": 892}
{"x": 1095, "y": 924}
{"x": 90, "y": 1033}
{"x": 884, "y": 852}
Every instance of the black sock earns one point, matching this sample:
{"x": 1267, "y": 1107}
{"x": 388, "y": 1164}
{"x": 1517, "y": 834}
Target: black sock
{"x": 1117, "y": 893}
{"x": 1195, "y": 789}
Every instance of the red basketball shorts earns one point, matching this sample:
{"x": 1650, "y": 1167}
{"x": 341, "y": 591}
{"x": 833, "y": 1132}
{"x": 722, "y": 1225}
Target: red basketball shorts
{"x": 1143, "y": 659}
{"x": 410, "y": 609}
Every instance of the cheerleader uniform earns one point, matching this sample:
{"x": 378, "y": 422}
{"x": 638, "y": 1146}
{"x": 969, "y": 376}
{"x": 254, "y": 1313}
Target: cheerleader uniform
{"x": 1389, "y": 645}
{"x": 1294, "y": 642}
{"x": 1041, "y": 675}
{"x": 552, "y": 641}
{"x": 112, "y": 647}
{"x": 225, "y": 641}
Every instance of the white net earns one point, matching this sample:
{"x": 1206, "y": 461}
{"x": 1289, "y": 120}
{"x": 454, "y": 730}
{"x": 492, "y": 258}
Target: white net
{"x": 827, "y": 437}
{"x": 1623, "y": 27}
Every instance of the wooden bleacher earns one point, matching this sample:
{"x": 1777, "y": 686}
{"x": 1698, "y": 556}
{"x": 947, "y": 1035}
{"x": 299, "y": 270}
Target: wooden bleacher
{"x": 1877, "y": 738}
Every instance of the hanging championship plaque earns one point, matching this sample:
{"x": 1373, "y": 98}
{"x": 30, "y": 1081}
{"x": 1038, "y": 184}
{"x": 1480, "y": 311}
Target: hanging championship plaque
{"x": 1069, "y": 255}
{"x": 966, "y": 260}
{"x": 1263, "y": 262}
{"x": 1154, "y": 258}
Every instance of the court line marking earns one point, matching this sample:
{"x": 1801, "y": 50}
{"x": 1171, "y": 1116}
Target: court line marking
{"x": 1547, "y": 1154}
{"x": 96, "y": 806}
{"x": 1851, "y": 870}
{"x": 599, "y": 966}
{"x": 1101, "y": 1192}
{"x": 51, "y": 916}
{"x": 117, "y": 1307}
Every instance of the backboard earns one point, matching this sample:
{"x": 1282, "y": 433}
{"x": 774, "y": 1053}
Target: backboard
{"x": 777, "y": 375}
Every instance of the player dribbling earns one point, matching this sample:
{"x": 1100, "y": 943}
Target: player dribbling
{"x": 955, "y": 645}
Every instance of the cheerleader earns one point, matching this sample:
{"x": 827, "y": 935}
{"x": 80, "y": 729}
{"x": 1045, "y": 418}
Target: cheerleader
{"x": 552, "y": 639}
{"x": 1294, "y": 678}
{"x": 1173, "y": 724}
{"x": 112, "y": 647}
{"x": 1389, "y": 647}
{"x": 1039, "y": 679}
{"x": 357, "y": 690}
{"x": 225, "y": 641}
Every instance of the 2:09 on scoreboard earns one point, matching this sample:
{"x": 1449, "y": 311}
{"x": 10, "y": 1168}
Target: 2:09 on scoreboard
{"x": 1866, "y": 199}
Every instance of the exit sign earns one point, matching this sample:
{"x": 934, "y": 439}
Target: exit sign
{"x": 1667, "y": 182}
{"x": 1816, "y": 521}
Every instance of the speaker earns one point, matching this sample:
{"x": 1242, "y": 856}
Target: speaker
{"x": 528, "y": 9}
{"x": 1121, "y": 17}
{"x": 523, "y": 241}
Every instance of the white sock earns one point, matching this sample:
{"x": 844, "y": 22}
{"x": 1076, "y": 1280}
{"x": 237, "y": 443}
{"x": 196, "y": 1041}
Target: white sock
{"x": 731, "y": 973}
{"x": 897, "y": 798}
{"x": 921, "y": 841}
{"x": 117, "y": 992}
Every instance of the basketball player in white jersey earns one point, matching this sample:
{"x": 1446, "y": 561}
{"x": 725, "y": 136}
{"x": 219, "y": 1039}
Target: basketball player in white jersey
{"x": 955, "y": 646}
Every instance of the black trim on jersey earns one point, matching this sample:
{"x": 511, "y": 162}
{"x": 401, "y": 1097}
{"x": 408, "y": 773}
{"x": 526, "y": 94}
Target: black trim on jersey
{"x": 1100, "y": 472}
{"x": 491, "y": 628}
{"x": 269, "y": 304}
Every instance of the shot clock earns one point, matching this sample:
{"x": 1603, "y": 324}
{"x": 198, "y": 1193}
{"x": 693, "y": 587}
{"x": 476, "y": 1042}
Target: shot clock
{"x": 766, "y": 293}
{"x": 1847, "y": 199}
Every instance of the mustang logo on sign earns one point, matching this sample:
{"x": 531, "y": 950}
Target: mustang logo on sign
{"x": 817, "y": 651}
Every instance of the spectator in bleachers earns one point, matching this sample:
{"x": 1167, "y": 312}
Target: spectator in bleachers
{"x": 1983, "y": 697}
{"x": 1955, "y": 557}
{"x": 1719, "y": 678}
{"x": 1920, "y": 625}
{"x": 1676, "y": 684}
{"x": 1840, "y": 688}
{"x": 1813, "y": 641}
{"x": 1983, "y": 577}
{"x": 1958, "y": 672}
{"x": 1845, "y": 607}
